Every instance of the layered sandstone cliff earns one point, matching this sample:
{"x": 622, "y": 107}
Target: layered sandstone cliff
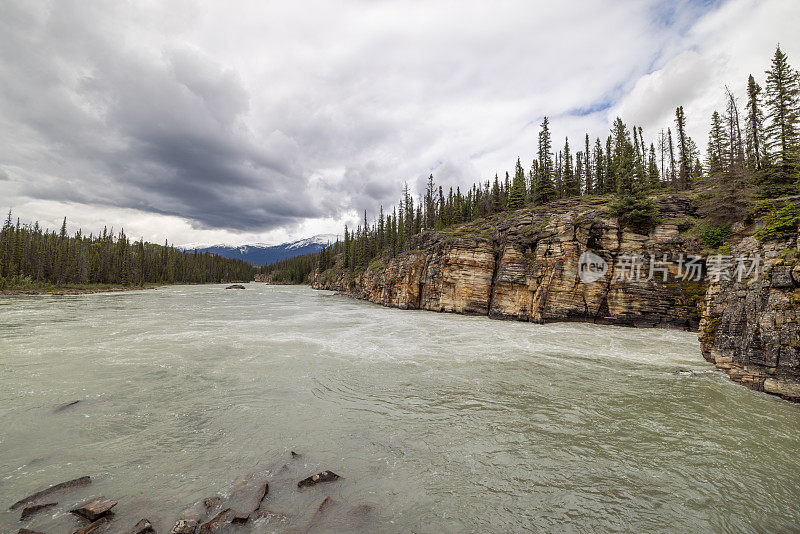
{"x": 524, "y": 265}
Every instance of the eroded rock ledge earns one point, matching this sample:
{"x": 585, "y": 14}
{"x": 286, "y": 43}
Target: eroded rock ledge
{"x": 524, "y": 266}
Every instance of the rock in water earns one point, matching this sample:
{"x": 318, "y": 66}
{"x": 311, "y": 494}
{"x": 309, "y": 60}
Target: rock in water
{"x": 263, "y": 495}
{"x": 93, "y": 510}
{"x": 295, "y": 455}
{"x": 235, "y": 286}
{"x": 65, "y": 406}
{"x": 324, "y": 476}
{"x": 82, "y": 481}
{"x": 240, "y": 518}
{"x": 219, "y": 521}
{"x": 211, "y": 503}
{"x": 97, "y": 526}
{"x": 28, "y": 531}
{"x": 30, "y": 510}
{"x": 143, "y": 527}
{"x": 185, "y": 526}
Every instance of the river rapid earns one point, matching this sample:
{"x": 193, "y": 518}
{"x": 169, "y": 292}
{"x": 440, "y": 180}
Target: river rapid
{"x": 436, "y": 422}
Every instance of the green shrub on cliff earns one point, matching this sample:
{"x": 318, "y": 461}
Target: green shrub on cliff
{"x": 780, "y": 224}
{"x": 713, "y": 235}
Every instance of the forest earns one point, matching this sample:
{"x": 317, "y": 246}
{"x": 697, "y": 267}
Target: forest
{"x": 753, "y": 153}
{"x": 33, "y": 258}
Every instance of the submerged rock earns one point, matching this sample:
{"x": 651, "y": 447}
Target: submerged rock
{"x": 211, "y": 503}
{"x": 75, "y": 483}
{"x": 65, "y": 406}
{"x": 235, "y": 286}
{"x": 324, "y": 476}
{"x": 94, "y": 509}
{"x": 28, "y": 531}
{"x": 143, "y": 527}
{"x": 96, "y": 526}
{"x": 185, "y": 526}
{"x": 217, "y": 522}
{"x": 240, "y": 518}
{"x": 35, "y": 508}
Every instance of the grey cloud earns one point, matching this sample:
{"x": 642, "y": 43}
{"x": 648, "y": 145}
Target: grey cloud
{"x": 262, "y": 117}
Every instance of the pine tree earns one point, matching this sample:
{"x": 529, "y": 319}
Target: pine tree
{"x": 543, "y": 190}
{"x": 673, "y": 176}
{"x": 632, "y": 205}
{"x": 570, "y": 182}
{"x": 516, "y": 197}
{"x": 782, "y": 130}
{"x": 684, "y": 153}
{"x": 754, "y": 127}
{"x": 652, "y": 169}
{"x": 716, "y": 161}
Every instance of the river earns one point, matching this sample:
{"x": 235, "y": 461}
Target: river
{"x": 436, "y": 422}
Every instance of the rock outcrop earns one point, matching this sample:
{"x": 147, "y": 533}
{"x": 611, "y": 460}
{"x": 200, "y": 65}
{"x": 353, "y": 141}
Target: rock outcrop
{"x": 750, "y": 328}
{"x": 525, "y": 266}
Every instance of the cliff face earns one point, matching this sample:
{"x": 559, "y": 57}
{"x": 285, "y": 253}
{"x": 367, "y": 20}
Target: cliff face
{"x": 750, "y": 328}
{"x": 525, "y": 266}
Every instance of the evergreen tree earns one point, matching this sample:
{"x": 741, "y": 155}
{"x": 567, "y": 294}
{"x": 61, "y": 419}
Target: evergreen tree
{"x": 632, "y": 205}
{"x": 516, "y": 197}
{"x": 782, "y": 129}
{"x": 652, "y": 169}
{"x": 754, "y": 127}
{"x": 543, "y": 190}
{"x": 570, "y": 182}
{"x": 684, "y": 153}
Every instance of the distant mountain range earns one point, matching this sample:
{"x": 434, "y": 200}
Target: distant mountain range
{"x": 260, "y": 253}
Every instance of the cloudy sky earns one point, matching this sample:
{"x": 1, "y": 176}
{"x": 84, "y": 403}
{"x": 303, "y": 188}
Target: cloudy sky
{"x": 261, "y": 121}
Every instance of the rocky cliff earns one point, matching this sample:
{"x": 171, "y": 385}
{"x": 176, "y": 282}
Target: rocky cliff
{"x": 749, "y": 328}
{"x": 524, "y": 265}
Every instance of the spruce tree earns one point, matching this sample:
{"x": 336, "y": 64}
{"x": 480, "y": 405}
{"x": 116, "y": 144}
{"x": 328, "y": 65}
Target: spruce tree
{"x": 543, "y": 190}
{"x": 684, "y": 153}
{"x": 632, "y": 205}
{"x": 516, "y": 197}
{"x": 569, "y": 180}
{"x": 782, "y": 129}
{"x": 754, "y": 127}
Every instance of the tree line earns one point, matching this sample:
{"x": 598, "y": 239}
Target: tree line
{"x": 31, "y": 256}
{"x": 753, "y": 150}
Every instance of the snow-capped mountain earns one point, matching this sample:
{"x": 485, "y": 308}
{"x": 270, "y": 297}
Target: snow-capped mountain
{"x": 261, "y": 253}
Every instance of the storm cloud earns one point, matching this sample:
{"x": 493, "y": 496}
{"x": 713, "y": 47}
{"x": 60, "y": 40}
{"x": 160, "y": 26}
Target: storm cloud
{"x": 203, "y": 121}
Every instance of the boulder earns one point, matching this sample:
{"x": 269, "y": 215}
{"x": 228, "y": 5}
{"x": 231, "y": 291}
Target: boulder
{"x": 78, "y": 482}
{"x": 65, "y": 406}
{"x": 35, "y": 508}
{"x": 95, "y": 509}
{"x": 324, "y": 476}
{"x": 96, "y": 526}
{"x": 143, "y": 527}
{"x": 185, "y": 526}
{"x": 217, "y": 522}
{"x": 235, "y": 286}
